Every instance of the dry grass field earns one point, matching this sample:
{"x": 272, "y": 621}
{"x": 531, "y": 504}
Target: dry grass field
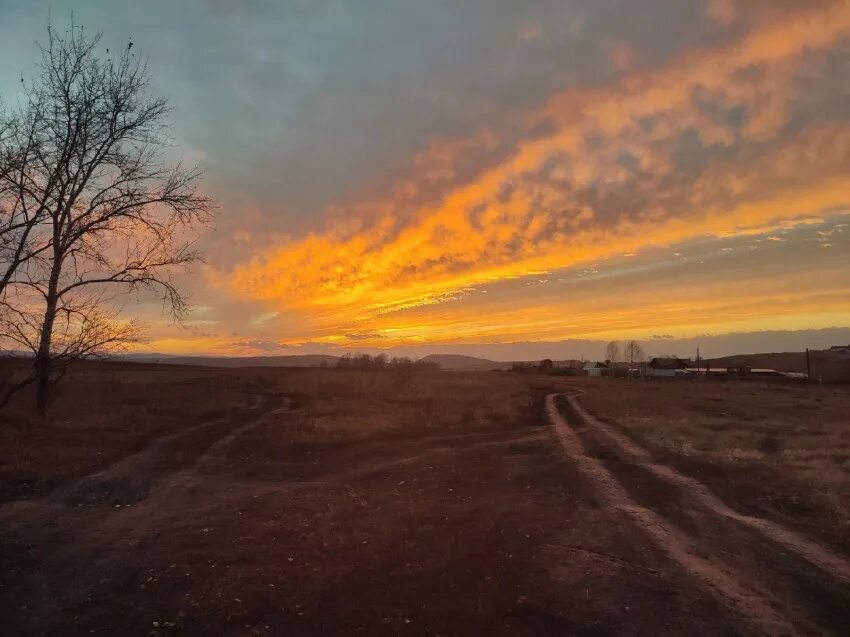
{"x": 160, "y": 500}
{"x": 108, "y": 410}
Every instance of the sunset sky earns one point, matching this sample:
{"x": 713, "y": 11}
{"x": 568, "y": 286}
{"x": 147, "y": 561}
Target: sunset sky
{"x": 397, "y": 173}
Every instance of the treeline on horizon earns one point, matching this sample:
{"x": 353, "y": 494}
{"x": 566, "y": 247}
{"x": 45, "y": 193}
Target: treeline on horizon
{"x": 382, "y": 361}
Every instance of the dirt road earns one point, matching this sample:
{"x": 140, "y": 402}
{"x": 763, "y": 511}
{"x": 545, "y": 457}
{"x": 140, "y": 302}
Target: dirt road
{"x": 545, "y": 524}
{"x": 774, "y": 579}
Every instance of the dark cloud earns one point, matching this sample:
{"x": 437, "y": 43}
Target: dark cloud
{"x": 295, "y": 104}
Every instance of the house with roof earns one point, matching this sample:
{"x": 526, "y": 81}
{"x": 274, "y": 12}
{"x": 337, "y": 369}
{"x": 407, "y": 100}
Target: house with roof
{"x": 570, "y": 363}
{"x": 595, "y": 368}
{"x": 666, "y": 368}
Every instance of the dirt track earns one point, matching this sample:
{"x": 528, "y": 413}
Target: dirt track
{"x": 708, "y": 539}
{"x": 502, "y": 528}
{"x": 824, "y": 558}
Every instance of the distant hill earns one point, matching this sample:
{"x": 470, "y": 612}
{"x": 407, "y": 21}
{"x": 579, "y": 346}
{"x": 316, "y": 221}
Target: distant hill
{"x": 710, "y": 345}
{"x": 780, "y": 361}
{"x": 305, "y": 360}
{"x": 466, "y": 363}
{"x": 828, "y": 366}
{"x": 455, "y": 362}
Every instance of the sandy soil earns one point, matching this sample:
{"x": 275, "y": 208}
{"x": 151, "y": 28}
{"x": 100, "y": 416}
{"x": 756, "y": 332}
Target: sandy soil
{"x": 315, "y": 502}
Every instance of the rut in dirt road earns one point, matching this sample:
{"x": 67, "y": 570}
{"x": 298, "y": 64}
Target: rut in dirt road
{"x": 753, "y": 606}
{"x": 821, "y": 557}
{"x": 132, "y": 478}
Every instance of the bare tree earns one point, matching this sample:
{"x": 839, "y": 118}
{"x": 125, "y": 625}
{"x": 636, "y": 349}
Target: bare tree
{"x": 612, "y": 351}
{"x": 634, "y": 353}
{"x": 22, "y": 207}
{"x": 115, "y": 217}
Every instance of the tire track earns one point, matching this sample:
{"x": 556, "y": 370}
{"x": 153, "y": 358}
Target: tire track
{"x": 129, "y": 479}
{"x": 751, "y": 605}
{"x": 819, "y": 556}
{"x": 133, "y": 477}
{"x": 276, "y": 406}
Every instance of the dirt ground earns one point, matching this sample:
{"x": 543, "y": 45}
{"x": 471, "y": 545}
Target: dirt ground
{"x": 163, "y": 500}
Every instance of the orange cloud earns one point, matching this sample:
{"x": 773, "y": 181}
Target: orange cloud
{"x": 605, "y": 181}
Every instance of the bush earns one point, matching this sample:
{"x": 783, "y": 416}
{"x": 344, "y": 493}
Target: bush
{"x": 770, "y": 444}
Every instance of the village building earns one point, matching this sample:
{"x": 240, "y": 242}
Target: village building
{"x": 666, "y": 368}
{"x": 595, "y": 368}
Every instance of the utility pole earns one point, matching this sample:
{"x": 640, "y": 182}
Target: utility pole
{"x": 697, "y": 361}
{"x": 808, "y": 365}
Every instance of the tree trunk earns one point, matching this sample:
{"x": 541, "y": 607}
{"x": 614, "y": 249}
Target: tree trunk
{"x": 43, "y": 358}
{"x": 43, "y": 362}
{"x": 42, "y": 387}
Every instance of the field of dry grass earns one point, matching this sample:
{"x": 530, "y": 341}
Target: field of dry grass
{"x": 104, "y": 411}
{"x": 168, "y": 500}
{"x": 778, "y": 450}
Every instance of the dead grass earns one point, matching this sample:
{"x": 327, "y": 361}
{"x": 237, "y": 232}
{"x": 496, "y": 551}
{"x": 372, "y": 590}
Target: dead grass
{"x": 104, "y": 411}
{"x": 362, "y": 502}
